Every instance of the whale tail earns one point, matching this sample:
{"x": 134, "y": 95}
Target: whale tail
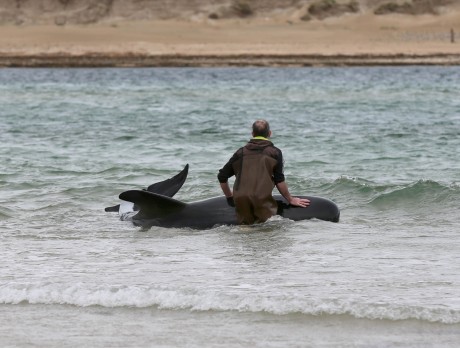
{"x": 152, "y": 205}
{"x": 168, "y": 187}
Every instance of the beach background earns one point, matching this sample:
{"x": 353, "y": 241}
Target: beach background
{"x": 228, "y": 32}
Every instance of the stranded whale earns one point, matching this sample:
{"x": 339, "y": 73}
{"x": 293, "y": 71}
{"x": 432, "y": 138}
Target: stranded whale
{"x": 155, "y": 206}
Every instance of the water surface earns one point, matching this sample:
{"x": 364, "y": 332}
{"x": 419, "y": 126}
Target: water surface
{"x": 382, "y": 143}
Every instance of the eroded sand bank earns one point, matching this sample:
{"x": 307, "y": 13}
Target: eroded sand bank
{"x": 347, "y": 40}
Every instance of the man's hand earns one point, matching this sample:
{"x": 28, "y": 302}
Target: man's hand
{"x": 230, "y": 201}
{"x": 296, "y": 201}
{"x": 299, "y": 202}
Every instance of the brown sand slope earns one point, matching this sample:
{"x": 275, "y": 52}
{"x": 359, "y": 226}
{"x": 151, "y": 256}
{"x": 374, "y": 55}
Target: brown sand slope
{"x": 190, "y": 38}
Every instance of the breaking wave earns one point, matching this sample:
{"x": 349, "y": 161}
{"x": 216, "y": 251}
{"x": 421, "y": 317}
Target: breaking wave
{"x": 421, "y": 193}
{"x": 163, "y": 298}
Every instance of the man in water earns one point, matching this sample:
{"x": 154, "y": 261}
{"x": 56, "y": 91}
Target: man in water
{"x": 258, "y": 167}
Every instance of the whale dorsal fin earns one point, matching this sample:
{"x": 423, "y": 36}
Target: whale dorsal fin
{"x": 152, "y": 205}
{"x": 170, "y": 186}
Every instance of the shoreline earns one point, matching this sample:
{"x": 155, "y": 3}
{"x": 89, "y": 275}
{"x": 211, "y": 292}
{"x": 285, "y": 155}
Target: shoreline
{"x": 136, "y": 60}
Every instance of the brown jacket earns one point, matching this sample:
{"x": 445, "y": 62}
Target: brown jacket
{"x": 258, "y": 166}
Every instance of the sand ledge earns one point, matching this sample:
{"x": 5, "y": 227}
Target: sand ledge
{"x": 222, "y": 60}
{"x": 348, "y": 41}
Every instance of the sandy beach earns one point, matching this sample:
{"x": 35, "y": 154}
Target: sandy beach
{"x": 364, "y": 39}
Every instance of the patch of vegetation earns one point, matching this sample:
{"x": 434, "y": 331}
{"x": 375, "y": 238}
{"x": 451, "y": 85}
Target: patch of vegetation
{"x": 306, "y": 17}
{"x": 415, "y": 7}
{"x": 322, "y": 6}
{"x": 242, "y": 8}
{"x": 392, "y": 7}
{"x": 329, "y": 8}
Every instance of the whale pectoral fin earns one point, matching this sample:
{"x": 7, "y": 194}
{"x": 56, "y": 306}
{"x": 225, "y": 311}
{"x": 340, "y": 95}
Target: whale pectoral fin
{"x": 152, "y": 205}
{"x": 170, "y": 186}
{"x": 113, "y": 209}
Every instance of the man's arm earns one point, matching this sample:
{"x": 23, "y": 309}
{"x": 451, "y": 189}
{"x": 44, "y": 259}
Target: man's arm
{"x": 227, "y": 172}
{"x": 226, "y": 189}
{"x": 299, "y": 202}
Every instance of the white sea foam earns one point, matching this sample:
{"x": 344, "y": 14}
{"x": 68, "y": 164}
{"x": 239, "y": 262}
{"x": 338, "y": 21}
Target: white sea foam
{"x": 142, "y": 296}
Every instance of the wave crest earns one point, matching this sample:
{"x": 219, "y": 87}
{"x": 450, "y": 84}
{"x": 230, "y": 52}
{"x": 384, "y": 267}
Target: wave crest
{"x": 163, "y": 298}
{"x": 421, "y": 193}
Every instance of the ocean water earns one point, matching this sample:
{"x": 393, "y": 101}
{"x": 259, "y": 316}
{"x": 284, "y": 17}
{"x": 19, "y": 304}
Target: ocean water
{"x": 383, "y": 143}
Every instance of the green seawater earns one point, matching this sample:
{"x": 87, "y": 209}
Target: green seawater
{"x": 381, "y": 142}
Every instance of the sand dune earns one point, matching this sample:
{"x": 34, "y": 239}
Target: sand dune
{"x": 267, "y": 37}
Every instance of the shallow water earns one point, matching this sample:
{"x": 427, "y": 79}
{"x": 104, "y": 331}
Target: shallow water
{"x": 381, "y": 142}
